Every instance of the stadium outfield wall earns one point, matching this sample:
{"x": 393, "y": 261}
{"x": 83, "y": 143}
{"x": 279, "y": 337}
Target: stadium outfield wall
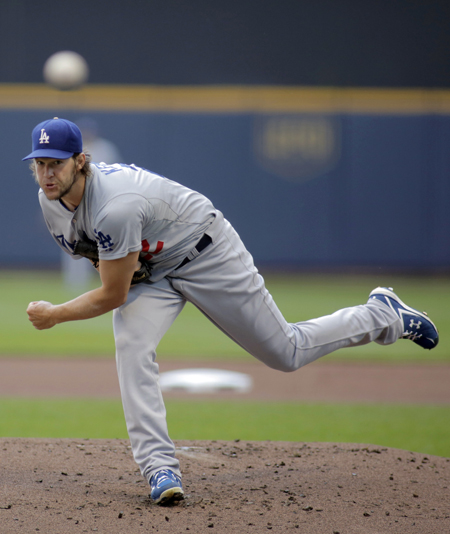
{"x": 312, "y": 178}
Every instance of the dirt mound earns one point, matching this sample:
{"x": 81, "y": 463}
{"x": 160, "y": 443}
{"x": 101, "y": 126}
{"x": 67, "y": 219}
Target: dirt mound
{"x": 69, "y": 486}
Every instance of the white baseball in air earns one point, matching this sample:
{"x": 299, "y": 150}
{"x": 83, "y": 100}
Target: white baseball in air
{"x": 66, "y": 70}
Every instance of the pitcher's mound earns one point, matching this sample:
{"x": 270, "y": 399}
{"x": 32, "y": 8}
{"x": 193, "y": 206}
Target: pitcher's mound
{"x": 69, "y": 486}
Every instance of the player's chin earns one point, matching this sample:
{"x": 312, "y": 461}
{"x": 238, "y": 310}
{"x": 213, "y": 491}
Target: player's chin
{"x": 52, "y": 193}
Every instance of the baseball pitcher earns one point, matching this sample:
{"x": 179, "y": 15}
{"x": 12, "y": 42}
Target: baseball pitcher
{"x": 156, "y": 245}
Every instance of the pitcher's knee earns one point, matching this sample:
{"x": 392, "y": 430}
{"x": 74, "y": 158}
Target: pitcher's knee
{"x": 285, "y": 365}
{"x": 288, "y": 368}
{"x": 291, "y": 360}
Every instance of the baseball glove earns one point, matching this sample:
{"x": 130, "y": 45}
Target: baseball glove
{"x": 88, "y": 249}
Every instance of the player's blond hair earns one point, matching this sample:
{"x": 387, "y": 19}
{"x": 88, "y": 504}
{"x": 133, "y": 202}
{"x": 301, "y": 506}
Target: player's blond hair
{"x": 85, "y": 170}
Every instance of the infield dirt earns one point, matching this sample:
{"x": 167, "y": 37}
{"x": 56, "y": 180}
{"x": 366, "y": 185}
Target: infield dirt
{"x": 59, "y": 486}
{"x": 68, "y": 486}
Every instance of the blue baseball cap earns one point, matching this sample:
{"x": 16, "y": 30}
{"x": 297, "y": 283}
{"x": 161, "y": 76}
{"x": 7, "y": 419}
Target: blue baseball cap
{"x": 55, "y": 138}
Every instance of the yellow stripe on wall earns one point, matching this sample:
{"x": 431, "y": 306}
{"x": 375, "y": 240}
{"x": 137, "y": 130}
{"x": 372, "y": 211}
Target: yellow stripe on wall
{"x": 226, "y": 99}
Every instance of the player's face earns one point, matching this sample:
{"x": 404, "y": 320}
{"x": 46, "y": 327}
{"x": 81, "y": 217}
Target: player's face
{"x": 56, "y": 177}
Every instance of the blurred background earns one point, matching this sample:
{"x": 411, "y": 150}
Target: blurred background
{"x": 321, "y": 129}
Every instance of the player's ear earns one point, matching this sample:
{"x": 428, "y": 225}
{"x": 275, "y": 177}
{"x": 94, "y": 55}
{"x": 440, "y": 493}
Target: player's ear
{"x": 81, "y": 160}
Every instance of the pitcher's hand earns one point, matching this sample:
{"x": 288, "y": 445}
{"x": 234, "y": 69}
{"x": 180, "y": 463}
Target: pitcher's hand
{"x": 40, "y": 314}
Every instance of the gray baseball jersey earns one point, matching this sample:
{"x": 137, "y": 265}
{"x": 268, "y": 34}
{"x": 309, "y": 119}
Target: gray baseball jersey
{"x": 127, "y": 209}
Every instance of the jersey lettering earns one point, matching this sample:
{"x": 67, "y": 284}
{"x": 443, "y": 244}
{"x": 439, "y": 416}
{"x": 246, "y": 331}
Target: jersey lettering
{"x": 104, "y": 241}
{"x": 109, "y": 169}
{"x": 66, "y": 244}
{"x": 149, "y": 253}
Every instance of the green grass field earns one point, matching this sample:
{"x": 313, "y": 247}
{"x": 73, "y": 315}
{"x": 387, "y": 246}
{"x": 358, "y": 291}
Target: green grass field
{"x": 300, "y": 297}
{"x": 422, "y": 429}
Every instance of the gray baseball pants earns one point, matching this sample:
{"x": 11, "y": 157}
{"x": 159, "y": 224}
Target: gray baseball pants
{"x": 225, "y": 285}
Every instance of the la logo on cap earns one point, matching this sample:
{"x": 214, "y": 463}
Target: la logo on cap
{"x": 45, "y": 138}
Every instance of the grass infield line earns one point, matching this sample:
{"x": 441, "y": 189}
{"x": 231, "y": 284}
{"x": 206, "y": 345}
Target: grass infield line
{"x": 416, "y": 428}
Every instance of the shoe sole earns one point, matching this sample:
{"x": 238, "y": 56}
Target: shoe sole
{"x": 391, "y": 294}
{"x": 170, "y": 495}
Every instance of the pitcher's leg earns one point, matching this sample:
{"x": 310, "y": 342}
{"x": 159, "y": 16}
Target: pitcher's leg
{"x": 225, "y": 285}
{"x": 138, "y": 327}
{"x": 349, "y": 327}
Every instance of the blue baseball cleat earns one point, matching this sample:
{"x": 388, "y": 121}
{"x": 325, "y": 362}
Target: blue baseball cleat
{"x": 166, "y": 487}
{"x": 416, "y": 326}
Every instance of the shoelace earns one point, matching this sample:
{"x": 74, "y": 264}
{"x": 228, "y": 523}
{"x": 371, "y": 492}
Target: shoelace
{"x": 411, "y": 335}
{"x": 162, "y": 476}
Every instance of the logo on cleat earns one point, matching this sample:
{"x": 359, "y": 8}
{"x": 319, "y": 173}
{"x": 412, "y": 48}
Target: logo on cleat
{"x": 417, "y": 325}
